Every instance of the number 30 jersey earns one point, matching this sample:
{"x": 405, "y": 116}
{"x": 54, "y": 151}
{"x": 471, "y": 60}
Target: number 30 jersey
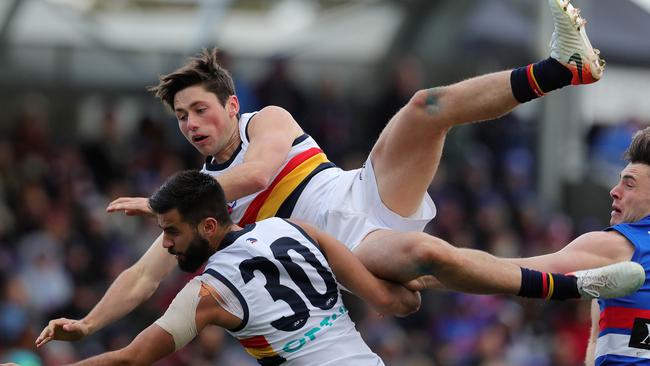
{"x": 292, "y": 308}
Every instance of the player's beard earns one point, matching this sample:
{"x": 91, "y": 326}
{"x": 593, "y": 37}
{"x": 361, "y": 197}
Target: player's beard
{"x": 198, "y": 251}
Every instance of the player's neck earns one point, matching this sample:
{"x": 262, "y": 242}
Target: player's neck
{"x": 230, "y": 147}
{"x": 216, "y": 244}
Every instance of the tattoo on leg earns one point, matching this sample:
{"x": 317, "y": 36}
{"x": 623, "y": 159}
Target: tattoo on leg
{"x": 431, "y": 103}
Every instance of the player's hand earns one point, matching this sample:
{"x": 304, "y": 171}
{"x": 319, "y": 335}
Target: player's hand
{"x": 427, "y": 282}
{"x": 63, "y": 329}
{"x": 132, "y": 206}
{"x": 403, "y": 301}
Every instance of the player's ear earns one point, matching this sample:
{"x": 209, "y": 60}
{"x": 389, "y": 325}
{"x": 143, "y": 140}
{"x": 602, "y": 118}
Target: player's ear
{"x": 208, "y": 227}
{"x": 232, "y": 105}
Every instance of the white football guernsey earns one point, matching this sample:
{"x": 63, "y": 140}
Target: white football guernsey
{"x": 304, "y": 162}
{"x": 345, "y": 204}
{"x": 292, "y": 308}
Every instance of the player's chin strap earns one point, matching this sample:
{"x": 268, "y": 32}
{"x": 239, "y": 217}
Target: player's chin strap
{"x": 180, "y": 318}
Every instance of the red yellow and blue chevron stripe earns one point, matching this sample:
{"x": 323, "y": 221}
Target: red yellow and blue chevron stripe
{"x": 294, "y": 174}
{"x": 259, "y": 348}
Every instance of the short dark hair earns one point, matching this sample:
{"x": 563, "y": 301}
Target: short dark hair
{"x": 639, "y": 149}
{"x": 203, "y": 69}
{"x": 195, "y": 195}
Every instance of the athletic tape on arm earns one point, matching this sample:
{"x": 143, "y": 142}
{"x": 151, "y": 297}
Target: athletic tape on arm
{"x": 180, "y": 318}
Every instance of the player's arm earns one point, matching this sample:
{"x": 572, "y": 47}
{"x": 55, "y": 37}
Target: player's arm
{"x": 590, "y": 250}
{"x": 192, "y": 309}
{"x": 590, "y": 356}
{"x": 384, "y": 296}
{"x": 131, "y": 288}
{"x": 149, "y": 346}
{"x": 271, "y": 132}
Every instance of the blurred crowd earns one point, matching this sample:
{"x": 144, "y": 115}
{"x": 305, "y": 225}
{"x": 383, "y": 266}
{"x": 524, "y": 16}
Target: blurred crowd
{"x": 60, "y": 250}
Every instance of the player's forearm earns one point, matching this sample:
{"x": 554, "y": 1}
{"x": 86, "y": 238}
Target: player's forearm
{"x": 351, "y": 273}
{"x": 132, "y": 287}
{"x": 109, "y": 358}
{"x": 122, "y": 357}
{"x": 149, "y": 346}
{"x": 383, "y": 296}
{"x": 129, "y": 290}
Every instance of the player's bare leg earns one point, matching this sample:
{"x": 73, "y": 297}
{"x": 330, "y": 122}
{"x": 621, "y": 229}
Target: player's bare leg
{"x": 403, "y": 257}
{"x": 407, "y": 153}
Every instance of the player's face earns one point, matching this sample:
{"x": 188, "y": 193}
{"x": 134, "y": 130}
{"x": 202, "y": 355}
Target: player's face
{"x": 209, "y": 126}
{"x": 183, "y": 240}
{"x": 631, "y": 196}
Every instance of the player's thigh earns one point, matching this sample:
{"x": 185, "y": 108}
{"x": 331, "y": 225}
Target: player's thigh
{"x": 412, "y": 129}
{"x": 402, "y": 256}
{"x": 406, "y": 156}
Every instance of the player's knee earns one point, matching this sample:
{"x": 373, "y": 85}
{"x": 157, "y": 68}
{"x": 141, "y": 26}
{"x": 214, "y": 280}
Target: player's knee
{"x": 430, "y": 253}
{"x": 429, "y": 103}
{"x": 427, "y": 98}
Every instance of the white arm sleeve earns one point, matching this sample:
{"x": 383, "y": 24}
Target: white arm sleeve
{"x": 180, "y": 318}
